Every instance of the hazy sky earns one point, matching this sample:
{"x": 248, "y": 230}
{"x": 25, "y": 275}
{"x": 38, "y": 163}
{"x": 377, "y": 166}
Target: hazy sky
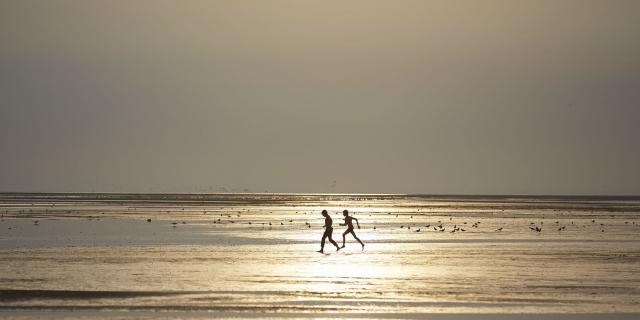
{"x": 472, "y": 97}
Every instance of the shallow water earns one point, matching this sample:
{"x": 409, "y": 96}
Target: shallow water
{"x": 232, "y": 255}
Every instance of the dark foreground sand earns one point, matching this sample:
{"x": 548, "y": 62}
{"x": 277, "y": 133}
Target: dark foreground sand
{"x": 254, "y": 256}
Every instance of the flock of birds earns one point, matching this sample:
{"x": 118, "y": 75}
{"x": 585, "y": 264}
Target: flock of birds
{"x": 439, "y": 226}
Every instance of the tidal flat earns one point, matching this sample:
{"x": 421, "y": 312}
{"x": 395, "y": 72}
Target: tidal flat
{"x": 99, "y": 256}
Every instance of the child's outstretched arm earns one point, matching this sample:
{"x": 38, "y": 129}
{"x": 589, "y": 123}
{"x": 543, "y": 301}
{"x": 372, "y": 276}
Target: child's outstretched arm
{"x": 358, "y": 223}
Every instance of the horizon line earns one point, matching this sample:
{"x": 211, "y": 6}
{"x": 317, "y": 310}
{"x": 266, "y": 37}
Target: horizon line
{"x": 322, "y": 194}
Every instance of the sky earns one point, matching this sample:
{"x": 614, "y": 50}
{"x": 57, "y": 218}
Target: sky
{"x": 432, "y": 97}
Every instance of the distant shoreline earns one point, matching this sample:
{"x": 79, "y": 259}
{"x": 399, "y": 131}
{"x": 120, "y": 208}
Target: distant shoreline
{"x": 301, "y": 196}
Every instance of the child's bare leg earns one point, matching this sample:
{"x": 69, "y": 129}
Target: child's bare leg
{"x": 324, "y": 236}
{"x": 334, "y": 242}
{"x": 344, "y": 235}
{"x": 356, "y": 237}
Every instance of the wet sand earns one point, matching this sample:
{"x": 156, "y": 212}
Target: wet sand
{"x": 98, "y": 256}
